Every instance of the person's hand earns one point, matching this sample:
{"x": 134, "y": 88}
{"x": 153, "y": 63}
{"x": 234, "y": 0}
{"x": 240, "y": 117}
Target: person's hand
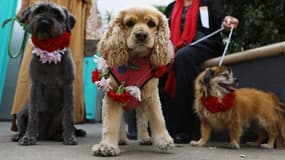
{"x": 19, "y": 13}
{"x": 24, "y": 5}
{"x": 230, "y": 22}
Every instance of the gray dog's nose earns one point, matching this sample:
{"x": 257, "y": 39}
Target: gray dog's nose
{"x": 141, "y": 36}
{"x": 45, "y": 22}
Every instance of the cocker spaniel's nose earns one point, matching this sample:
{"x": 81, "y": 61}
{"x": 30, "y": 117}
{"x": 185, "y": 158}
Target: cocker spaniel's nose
{"x": 141, "y": 36}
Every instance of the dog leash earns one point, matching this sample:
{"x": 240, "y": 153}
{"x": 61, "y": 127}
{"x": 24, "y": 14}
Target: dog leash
{"x": 24, "y": 39}
{"x": 227, "y": 46}
{"x": 207, "y": 36}
{"x": 212, "y": 34}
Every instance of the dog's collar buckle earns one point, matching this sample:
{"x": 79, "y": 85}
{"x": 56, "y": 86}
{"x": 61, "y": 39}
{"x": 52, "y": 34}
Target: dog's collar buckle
{"x": 49, "y": 57}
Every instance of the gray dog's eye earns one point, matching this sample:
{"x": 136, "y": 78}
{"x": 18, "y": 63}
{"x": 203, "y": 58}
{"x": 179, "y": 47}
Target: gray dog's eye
{"x": 130, "y": 23}
{"x": 151, "y": 24}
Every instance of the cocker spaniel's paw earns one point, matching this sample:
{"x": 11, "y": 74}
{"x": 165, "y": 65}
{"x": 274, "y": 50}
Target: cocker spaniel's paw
{"x": 69, "y": 140}
{"x": 199, "y": 143}
{"x": 165, "y": 143}
{"x": 123, "y": 142}
{"x": 145, "y": 141}
{"x": 105, "y": 150}
{"x": 27, "y": 140}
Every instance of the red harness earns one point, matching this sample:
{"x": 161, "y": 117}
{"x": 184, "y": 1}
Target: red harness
{"x": 214, "y": 105}
{"x": 137, "y": 73}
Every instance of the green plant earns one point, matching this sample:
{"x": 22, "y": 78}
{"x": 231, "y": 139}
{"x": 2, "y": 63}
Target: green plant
{"x": 161, "y": 8}
{"x": 261, "y": 23}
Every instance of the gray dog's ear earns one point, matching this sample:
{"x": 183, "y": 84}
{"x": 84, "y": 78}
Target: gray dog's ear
{"x": 70, "y": 21}
{"x": 25, "y": 17}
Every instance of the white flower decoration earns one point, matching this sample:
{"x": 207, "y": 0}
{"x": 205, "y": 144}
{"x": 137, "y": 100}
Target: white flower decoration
{"x": 134, "y": 91}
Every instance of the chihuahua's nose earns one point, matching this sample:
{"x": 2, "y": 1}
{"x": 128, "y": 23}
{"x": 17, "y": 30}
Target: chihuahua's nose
{"x": 141, "y": 36}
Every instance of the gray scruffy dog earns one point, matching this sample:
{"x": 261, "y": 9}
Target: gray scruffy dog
{"x": 49, "y": 115}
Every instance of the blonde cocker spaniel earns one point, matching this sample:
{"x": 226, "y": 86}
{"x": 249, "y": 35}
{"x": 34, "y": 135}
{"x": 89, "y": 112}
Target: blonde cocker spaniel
{"x": 136, "y": 35}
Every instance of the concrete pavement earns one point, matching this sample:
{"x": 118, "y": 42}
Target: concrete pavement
{"x": 56, "y": 151}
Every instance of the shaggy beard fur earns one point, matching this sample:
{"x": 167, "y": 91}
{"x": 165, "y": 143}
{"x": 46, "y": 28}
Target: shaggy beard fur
{"x": 251, "y": 107}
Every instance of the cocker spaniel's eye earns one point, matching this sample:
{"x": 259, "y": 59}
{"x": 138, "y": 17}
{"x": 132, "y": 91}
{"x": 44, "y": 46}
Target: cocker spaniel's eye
{"x": 130, "y": 24}
{"x": 151, "y": 24}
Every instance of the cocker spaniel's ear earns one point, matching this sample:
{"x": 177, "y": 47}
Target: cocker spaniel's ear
{"x": 163, "y": 50}
{"x": 112, "y": 47}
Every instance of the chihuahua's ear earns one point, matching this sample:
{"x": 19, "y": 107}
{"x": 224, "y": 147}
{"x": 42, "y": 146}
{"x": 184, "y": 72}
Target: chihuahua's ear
{"x": 26, "y": 14}
{"x": 208, "y": 75}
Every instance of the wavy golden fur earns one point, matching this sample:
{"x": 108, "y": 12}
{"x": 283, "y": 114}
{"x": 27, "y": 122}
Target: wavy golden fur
{"x": 252, "y": 108}
{"x": 117, "y": 50}
{"x": 135, "y": 32}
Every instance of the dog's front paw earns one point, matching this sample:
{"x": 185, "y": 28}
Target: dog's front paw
{"x": 267, "y": 146}
{"x": 123, "y": 142}
{"x": 199, "y": 143}
{"x": 234, "y": 145}
{"x": 146, "y": 141}
{"x": 165, "y": 143}
{"x": 27, "y": 140}
{"x": 69, "y": 140}
{"x": 105, "y": 150}
{"x": 16, "y": 137}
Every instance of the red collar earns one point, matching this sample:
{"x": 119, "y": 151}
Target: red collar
{"x": 214, "y": 105}
{"x": 53, "y": 44}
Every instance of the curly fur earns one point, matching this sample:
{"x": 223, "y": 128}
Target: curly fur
{"x": 49, "y": 115}
{"x": 120, "y": 44}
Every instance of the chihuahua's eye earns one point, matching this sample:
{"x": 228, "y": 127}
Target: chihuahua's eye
{"x": 225, "y": 75}
{"x": 130, "y": 23}
{"x": 151, "y": 24}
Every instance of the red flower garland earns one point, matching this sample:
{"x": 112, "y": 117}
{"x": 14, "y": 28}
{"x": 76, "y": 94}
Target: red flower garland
{"x": 53, "y": 44}
{"x": 160, "y": 71}
{"x": 119, "y": 97}
{"x": 214, "y": 105}
{"x": 96, "y": 76}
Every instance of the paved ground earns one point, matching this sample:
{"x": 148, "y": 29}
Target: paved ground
{"x": 133, "y": 151}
